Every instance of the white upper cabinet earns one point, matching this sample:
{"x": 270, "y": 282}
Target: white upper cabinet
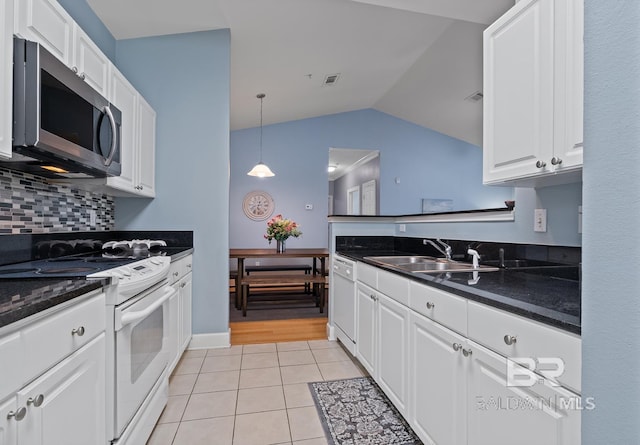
{"x": 533, "y": 63}
{"x": 90, "y": 63}
{"x": 6, "y": 77}
{"x": 46, "y": 22}
{"x": 138, "y": 131}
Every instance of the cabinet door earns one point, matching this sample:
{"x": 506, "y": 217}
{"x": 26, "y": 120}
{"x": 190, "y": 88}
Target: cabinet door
{"x": 518, "y": 86}
{"x": 147, "y": 149}
{"x": 570, "y": 83}
{"x": 185, "y": 311}
{"x": 66, "y": 405}
{"x": 47, "y": 23}
{"x": 437, "y": 378}
{"x": 9, "y": 425}
{"x": 527, "y": 415}
{"x": 393, "y": 349}
{"x": 125, "y": 97}
{"x": 366, "y": 328}
{"x": 90, "y": 62}
{"x": 6, "y": 77}
{"x": 174, "y": 329}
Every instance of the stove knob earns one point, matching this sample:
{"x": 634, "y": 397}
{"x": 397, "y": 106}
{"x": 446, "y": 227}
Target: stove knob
{"x": 126, "y": 273}
{"x": 156, "y": 262}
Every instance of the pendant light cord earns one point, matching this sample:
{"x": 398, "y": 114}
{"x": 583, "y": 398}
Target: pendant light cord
{"x": 260, "y": 96}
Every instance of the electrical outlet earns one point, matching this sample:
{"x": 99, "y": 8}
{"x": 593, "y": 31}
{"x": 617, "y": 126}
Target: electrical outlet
{"x": 402, "y": 227}
{"x": 308, "y": 206}
{"x": 257, "y": 263}
{"x": 540, "y": 220}
{"x": 92, "y": 217}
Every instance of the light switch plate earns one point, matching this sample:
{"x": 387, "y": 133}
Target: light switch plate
{"x": 540, "y": 220}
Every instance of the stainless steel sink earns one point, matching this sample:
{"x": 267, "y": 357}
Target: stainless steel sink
{"x": 401, "y": 259}
{"x": 426, "y": 264}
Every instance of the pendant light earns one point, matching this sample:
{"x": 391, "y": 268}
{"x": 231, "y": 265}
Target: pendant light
{"x": 261, "y": 170}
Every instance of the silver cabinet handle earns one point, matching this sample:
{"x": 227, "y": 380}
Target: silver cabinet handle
{"x": 75, "y": 69}
{"x": 39, "y": 400}
{"x": 18, "y": 415}
{"x": 430, "y": 305}
{"x": 457, "y": 347}
{"x": 467, "y": 352}
{"x": 556, "y": 160}
{"x": 189, "y": 267}
{"x": 78, "y": 331}
{"x": 373, "y": 297}
{"x": 175, "y": 274}
{"x": 183, "y": 284}
{"x": 541, "y": 164}
{"x": 510, "y": 339}
{"x": 82, "y": 76}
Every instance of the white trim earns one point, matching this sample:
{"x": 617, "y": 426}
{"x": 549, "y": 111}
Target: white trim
{"x": 459, "y": 217}
{"x": 210, "y": 341}
{"x": 498, "y": 215}
{"x": 363, "y": 160}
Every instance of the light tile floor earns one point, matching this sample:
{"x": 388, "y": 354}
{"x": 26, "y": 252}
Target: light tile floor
{"x": 251, "y": 394}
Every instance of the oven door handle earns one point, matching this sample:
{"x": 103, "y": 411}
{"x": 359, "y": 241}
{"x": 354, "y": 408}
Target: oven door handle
{"x": 132, "y": 317}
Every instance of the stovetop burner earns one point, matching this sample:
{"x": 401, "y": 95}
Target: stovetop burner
{"x": 17, "y": 270}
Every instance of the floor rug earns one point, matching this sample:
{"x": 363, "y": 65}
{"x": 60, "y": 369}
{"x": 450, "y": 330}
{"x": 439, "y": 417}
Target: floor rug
{"x": 356, "y": 412}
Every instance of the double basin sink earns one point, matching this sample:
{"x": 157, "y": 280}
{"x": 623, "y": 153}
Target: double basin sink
{"x": 427, "y": 264}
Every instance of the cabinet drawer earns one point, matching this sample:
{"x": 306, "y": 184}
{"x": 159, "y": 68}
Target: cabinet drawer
{"x": 367, "y": 274}
{"x": 394, "y": 286}
{"x": 445, "y": 308}
{"x": 51, "y": 339}
{"x": 493, "y": 327}
{"x": 180, "y": 268}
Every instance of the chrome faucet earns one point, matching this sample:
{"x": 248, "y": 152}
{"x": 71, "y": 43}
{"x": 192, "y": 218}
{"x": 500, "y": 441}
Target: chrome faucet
{"x": 443, "y": 248}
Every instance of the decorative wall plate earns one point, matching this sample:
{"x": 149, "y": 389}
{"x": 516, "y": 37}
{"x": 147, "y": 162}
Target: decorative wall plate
{"x": 258, "y": 205}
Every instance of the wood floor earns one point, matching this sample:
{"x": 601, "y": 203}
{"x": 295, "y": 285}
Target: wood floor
{"x": 274, "y": 331}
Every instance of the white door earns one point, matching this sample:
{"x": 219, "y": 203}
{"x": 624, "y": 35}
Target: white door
{"x": 185, "y": 310}
{"x": 518, "y": 86}
{"x": 366, "y": 327}
{"x": 437, "y": 378}
{"x": 353, "y": 200}
{"x": 66, "y": 405}
{"x": 369, "y": 198}
{"x": 125, "y": 97}
{"x": 527, "y": 415}
{"x": 9, "y": 425}
{"x": 393, "y": 350}
{"x": 147, "y": 149}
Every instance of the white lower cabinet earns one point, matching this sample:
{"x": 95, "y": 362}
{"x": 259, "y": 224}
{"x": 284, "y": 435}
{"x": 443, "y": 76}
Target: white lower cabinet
{"x": 8, "y": 423}
{"x": 366, "y": 327}
{"x": 451, "y": 389}
{"x": 180, "y": 307}
{"x": 393, "y": 350}
{"x": 437, "y": 378}
{"x": 499, "y": 414}
{"x": 64, "y": 405}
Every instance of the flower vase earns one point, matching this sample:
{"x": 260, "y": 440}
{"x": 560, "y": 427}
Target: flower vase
{"x": 280, "y": 246}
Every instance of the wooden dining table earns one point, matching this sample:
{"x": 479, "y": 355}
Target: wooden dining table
{"x": 315, "y": 254}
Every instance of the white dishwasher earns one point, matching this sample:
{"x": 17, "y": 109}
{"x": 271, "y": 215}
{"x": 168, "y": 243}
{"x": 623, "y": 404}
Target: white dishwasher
{"x": 344, "y": 300}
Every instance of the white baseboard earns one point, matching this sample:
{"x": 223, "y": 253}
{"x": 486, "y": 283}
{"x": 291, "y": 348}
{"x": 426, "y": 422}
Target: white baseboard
{"x": 210, "y": 341}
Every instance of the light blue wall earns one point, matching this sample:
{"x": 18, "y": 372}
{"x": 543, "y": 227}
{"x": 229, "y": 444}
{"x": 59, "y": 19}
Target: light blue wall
{"x": 611, "y": 257}
{"x": 185, "y": 78}
{"x": 428, "y": 165}
{"x": 91, "y": 24}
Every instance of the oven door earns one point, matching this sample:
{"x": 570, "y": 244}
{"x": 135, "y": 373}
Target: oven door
{"x": 142, "y": 349}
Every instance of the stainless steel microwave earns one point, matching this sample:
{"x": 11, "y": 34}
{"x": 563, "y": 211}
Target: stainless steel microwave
{"x": 62, "y": 128}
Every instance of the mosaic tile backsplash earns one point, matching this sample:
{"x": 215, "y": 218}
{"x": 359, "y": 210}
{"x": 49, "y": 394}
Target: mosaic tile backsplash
{"x": 28, "y": 204}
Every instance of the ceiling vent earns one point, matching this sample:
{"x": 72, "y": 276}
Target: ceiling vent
{"x": 331, "y": 79}
{"x": 475, "y": 97}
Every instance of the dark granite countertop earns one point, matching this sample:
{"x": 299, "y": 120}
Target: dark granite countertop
{"x": 23, "y": 297}
{"x": 550, "y": 295}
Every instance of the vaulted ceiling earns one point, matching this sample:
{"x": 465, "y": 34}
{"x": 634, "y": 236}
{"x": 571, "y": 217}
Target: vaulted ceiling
{"x": 419, "y": 60}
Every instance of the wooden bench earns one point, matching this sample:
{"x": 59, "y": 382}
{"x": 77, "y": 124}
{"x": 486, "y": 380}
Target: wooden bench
{"x": 278, "y": 268}
{"x": 319, "y": 282}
